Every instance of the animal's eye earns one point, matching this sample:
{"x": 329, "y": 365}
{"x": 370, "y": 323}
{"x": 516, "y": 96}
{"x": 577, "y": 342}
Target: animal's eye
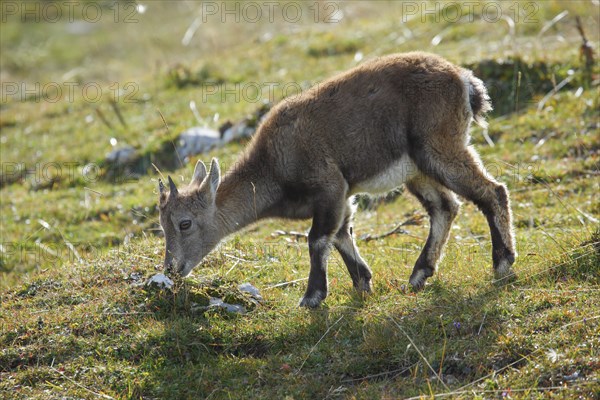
{"x": 185, "y": 224}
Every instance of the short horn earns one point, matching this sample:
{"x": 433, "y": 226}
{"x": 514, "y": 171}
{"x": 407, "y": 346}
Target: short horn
{"x": 172, "y": 187}
{"x": 161, "y": 186}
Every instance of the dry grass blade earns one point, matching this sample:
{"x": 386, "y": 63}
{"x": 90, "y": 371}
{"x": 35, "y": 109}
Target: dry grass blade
{"x": 103, "y": 118}
{"x": 163, "y": 119}
{"x": 392, "y": 373}
{"x": 288, "y": 283}
{"x": 316, "y": 344}
{"x": 439, "y": 378}
{"x": 101, "y": 395}
{"x": 553, "y": 92}
{"x": 415, "y": 220}
{"x": 117, "y": 111}
{"x": 553, "y": 22}
{"x": 294, "y": 234}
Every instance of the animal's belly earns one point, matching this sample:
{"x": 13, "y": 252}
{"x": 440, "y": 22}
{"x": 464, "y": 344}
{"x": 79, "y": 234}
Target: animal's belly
{"x": 393, "y": 176}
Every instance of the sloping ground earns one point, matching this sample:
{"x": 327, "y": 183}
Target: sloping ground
{"x": 89, "y": 327}
{"x": 77, "y": 322}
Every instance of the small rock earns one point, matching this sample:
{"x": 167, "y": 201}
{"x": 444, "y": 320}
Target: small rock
{"x": 197, "y": 140}
{"x": 573, "y": 377}
{"x": 160, "y": 280}
{"x": 233, "y": 308}
{"x": 249, "y": 288}
{"x": 121, "y": 155}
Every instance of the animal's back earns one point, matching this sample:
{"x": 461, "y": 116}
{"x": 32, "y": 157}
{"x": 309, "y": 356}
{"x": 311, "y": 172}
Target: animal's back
{"x": 369, "y": 111}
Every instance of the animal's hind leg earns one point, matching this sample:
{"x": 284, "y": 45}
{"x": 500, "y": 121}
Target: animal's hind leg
{"x": 442, "y": 207}
{"x": 345, "y": 245}
{"x": 461, "y": 171}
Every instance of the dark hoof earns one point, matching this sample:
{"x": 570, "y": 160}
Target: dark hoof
{"x": 503, "y": 272}
{"x": 418, "y": 278}
{"x": 363, "y": 285}
{"x": 313, "y": 300}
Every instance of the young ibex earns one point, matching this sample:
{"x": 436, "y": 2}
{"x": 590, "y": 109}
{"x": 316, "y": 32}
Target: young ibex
{"x": 398, "y": 119}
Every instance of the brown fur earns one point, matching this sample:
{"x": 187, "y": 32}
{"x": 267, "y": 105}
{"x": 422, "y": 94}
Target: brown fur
{"x": 402, "y": 117}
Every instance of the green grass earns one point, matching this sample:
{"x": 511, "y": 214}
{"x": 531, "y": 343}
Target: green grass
{"x": 76, "y": 322}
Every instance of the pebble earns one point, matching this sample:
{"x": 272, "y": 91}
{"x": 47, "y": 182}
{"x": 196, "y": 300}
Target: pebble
{"x": 160, "y": 280}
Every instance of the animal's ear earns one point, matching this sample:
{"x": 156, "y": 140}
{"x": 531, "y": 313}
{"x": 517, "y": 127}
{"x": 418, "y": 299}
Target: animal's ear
{"x": 214, "y": 177}
{"x": 199, "y": 173}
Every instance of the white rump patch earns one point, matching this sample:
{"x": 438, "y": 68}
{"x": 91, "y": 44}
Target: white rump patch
{"x": 390, "y": 178}
{"x": 469, "y": 89}
{"x": 473, "y": 84}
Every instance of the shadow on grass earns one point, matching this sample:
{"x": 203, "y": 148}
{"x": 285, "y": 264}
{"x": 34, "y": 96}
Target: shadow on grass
{"x": 161, "y": 344}
{"x": 440, "y": 333}
{"x": 440, "y": 339}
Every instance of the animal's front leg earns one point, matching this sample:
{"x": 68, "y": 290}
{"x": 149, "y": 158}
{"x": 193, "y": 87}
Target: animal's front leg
{"x": 319, "y": 248}
{"x": 327, "y": 219}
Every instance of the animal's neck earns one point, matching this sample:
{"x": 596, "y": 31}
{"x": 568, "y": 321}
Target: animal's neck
{"x": 245, "y": 195}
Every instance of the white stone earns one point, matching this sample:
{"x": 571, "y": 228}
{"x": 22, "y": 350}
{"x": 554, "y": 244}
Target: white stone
{"x": 197, "y": 140}
{"x": 160, "y": 280}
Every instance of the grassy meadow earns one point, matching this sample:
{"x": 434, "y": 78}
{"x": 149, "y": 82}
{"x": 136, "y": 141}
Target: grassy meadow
{"x": 78, "y": 240}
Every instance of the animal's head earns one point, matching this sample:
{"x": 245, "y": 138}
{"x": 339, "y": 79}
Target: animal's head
{"x": 189, "y": 219}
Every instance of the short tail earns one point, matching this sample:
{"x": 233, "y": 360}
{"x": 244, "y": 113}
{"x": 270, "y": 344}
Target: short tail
{"x": 479, "y": 100}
